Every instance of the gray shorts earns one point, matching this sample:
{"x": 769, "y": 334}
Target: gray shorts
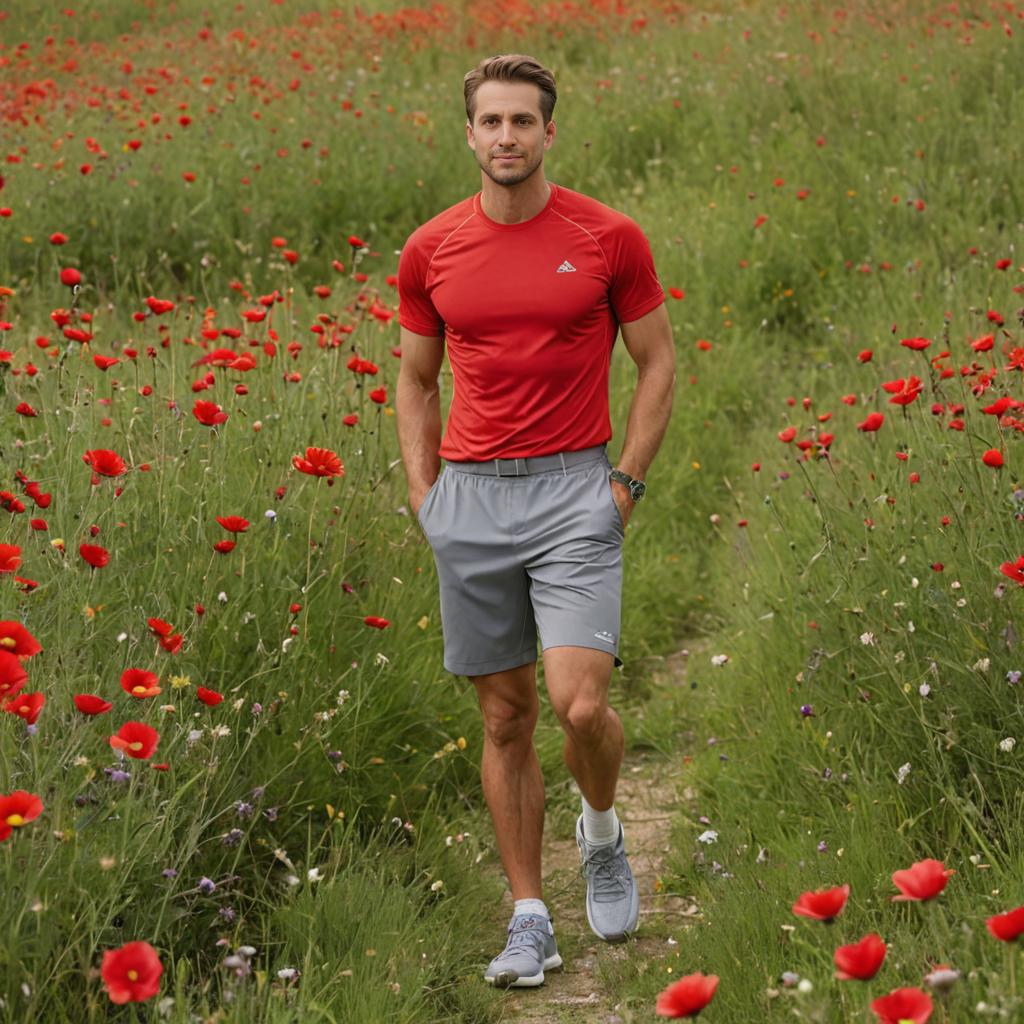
{"x": 540, "y": 551}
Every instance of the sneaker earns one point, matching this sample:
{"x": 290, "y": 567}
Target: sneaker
{"x": 529, "y": 952}
{"x": 613, "y": 903}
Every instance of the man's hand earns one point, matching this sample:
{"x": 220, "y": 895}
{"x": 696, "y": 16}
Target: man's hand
{"x": 622, "y": 499}
{"x": 417, "y": 498}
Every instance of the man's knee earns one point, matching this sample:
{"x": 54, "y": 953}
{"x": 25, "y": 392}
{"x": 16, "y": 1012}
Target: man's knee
{"x": 508, "y": 724}
{"x": 508, "y": 702}
{"x": 585, "y": 718}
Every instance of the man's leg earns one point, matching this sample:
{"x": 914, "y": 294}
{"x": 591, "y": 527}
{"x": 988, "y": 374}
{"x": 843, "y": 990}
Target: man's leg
{"x": 510, "y": 773}
{"x": 577, "y": 680}
{"x": 514, "y": 789}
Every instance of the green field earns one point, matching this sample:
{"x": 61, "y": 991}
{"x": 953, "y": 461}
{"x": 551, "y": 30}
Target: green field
{"x": 820, "y": 185}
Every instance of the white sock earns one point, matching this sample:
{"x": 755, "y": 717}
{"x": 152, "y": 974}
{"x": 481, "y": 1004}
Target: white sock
{"x": 600, "y": 828}
{"x": 532, "y": 906}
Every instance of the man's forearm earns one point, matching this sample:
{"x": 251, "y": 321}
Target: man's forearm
{"x": 649, "y": 413}
{"x": 418, "y": 416}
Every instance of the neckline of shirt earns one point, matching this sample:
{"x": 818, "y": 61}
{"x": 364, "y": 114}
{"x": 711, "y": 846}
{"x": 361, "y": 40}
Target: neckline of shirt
{"x": 498, "y": 226}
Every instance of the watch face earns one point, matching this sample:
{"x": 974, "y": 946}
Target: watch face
{"x": 637, "y": 489}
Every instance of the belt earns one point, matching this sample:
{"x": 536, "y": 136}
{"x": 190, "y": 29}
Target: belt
{"x": 529, "y": 465}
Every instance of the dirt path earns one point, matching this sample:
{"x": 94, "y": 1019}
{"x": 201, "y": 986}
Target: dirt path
{"x": 649, "y": 797}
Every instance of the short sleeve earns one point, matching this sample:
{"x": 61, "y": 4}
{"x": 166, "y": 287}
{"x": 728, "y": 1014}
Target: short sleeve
{"x": 635, "y": 289}
{"x": 416, "y": 312}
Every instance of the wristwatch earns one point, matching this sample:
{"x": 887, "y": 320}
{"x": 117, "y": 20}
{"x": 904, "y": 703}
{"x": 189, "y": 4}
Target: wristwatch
{"x": 637, "y": 488}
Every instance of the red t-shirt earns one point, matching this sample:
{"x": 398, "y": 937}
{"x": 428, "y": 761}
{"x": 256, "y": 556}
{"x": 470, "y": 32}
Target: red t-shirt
{"x": 530, "y": 313}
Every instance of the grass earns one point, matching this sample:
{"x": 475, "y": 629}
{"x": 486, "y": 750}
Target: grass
{"x": 819, "y": 182}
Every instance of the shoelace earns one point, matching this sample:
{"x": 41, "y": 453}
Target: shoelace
{"x": 524, "y": 937}
{"x": 606, "y": 871}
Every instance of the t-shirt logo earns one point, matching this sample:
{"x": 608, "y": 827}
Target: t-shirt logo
{"x": 566, "y": 268}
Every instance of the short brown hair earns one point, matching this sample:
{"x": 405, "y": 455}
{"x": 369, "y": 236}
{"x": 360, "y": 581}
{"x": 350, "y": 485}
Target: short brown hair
{"x": 511, "y": 67}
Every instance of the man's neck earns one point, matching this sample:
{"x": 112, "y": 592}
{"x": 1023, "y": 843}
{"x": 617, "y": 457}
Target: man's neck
{"x": 512, "y": 204}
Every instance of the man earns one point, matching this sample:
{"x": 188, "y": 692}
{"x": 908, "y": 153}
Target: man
{"x": 528, "y": 284}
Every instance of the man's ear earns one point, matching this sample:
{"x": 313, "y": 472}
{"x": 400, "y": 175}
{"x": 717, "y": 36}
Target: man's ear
{"x": 469, "y": 136}
{"x": 549, "y": 134}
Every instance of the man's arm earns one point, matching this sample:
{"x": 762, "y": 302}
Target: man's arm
{"x": 418, "y": 412}
{"x": 650, "y": 345}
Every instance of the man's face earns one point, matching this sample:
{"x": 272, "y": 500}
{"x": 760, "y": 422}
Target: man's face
{"x": 508, "y": 134}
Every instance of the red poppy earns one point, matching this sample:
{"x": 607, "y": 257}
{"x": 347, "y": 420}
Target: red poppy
{"x": 96, "y": 556}
{"x": 1015, "y": 570}
{"x": 140, "y": 683}
{"x": 209, "y": 697}
{"x": 787, "y": 435}
{"x": 922, "y": 881}
{"x": 864, "y": 356}
{"x": 677, "y": 293}
{"x": 861, "y": 960}
{"x": 24, "y": 409}
{"x": 872, "y": 422}
{"x": 10, "y": 557}
{"x": 984, "y": 343}
{"x": 26, "y": 705}
{"x": 319, "y": 462}
{"x": 356, "y": 242}
{"x": 993, "y": 458}
{"x": 58, "y": 238}
{"x": 171, "y": 644}
{"x": 351, "y": 419}
{"x": 209, "y": 414}
{"x": 223, "y": 547}
{"x": 999, "y": 406}
{"x": 104, "y": 462}
{"x": 687, "y": 996}
{"x": 379, "y": 395}
{"x": 18, "y": 809}
{"x": 136, "y": 739}
{"x": 159, "y": 627}
{"x": 12, "y": 674}
{"x": 823, "y": 904}
{"x": 16, "y": 639}
{"x": 377, "y": 622}
{"x": 1007, "y": 927}
{"x": 70, "y": 277}
{"x": 233, "y": 524}
{"x": 131, "y": 973}
{"x": 159, "y": 306}
{"x": 90, "y": 704}
{"x": 903, "y": 1006}
{"x": 917, "y": 344}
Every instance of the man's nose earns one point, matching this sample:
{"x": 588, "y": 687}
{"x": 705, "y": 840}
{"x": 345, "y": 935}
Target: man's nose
{"x": 506, "y": 137}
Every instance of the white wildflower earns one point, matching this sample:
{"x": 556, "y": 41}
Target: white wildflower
{"x": 314, "y": 875}
{"x": 982, "y": 664}
{"x": 708, "y": 837}
{"x": 924, "y": 689}
{"x": 867, "y": 639}
{"x": 718, "y": 660}
{"x": 437, "y": 886}
{"x": 902, "y": 772}
{"x": 1007, "y": 745}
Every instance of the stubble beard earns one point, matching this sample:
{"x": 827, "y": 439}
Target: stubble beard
{"x": 509, "y": 179}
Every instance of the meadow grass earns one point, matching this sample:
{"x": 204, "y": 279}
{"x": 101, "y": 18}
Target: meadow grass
{"x": 818, "y": 182}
